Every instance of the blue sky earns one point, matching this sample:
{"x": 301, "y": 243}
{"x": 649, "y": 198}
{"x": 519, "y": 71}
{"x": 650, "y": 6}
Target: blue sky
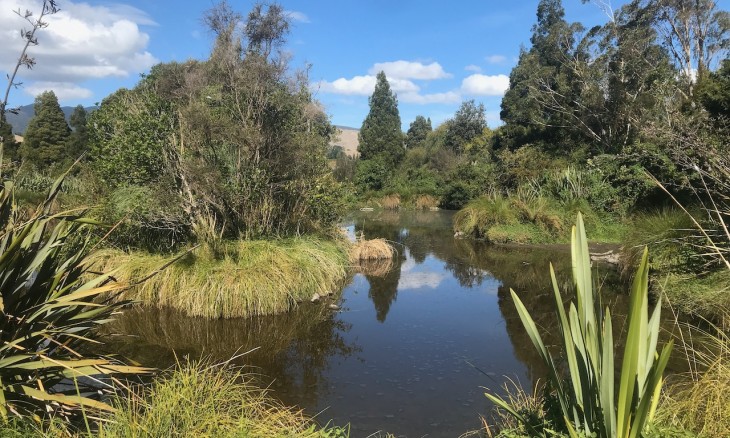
{"x": 436, "y": 53}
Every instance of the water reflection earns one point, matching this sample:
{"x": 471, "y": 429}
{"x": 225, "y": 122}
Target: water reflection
{"x": 401, "y": 355}
{"x": 294, "y": 348}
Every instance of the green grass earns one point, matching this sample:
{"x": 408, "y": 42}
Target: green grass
{"x": 195, "y": 400}
{"x": 239, "y": 279}
{"x": 532, "y": 220}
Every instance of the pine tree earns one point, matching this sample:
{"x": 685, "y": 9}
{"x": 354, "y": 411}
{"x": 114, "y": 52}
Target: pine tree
{"x": 380, "y": 136}
{"x": 47, "y": 134}
{"x": 79, "y": 138}
{"x": 418, "y": 131}
{"x": 10, "y": 146}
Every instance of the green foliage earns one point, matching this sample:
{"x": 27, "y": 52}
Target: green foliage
{"x": 51, "y": 306}
{"x": 713, "y": 91}
{"x": 10, "y": 146}
{"x": 380, "y": 136}
{"x": 468, "y": 123}
{"x": 131, "y": 130}
{"x": 46, "y": 139}
{"x": 372, "y": 174}
{"x": 587, "y": 399}
{"x": 418, "y": 132}
{"x": 79, "y": 139}
{"x": 235, "y": 145}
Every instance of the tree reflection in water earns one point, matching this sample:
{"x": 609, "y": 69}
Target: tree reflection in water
{"x": 291, "y": 350}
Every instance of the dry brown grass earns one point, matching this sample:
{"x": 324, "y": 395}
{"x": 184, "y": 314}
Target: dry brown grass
{"x": 425, "y": 202}
{"x": 391, "y": 202}
{"x": 372, "y": 257}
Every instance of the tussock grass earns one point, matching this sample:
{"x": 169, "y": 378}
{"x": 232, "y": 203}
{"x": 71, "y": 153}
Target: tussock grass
{"x": 527, "y": 217}
{"x": 424, "y": 202}
{"x": 699, "y": 401}
{"x": 391, "y": 202}
{"x": 260, "y": 277}
{"x": 373, "y": 249}
{"x": 372, "y": 257}
{"x": 210, "y": 401}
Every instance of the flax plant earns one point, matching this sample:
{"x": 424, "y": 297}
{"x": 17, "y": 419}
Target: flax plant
{"x": 586, "y": 396}
{"x": 48, "y": 313}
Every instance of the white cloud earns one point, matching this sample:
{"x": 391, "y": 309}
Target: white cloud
{"x": 301, "y": 17}
{"x": 81, "y": 42}
{"x": 410, "y": 70}
{"x": 474, "y": 68}
{"x": 363, "y": 86}
{"x": 62, "y": 90}
{"x": 484, "y": 85}
{"x": 417, "y": 280}
{"x": 425, "y": 99}
{"x": 496, "y": 59}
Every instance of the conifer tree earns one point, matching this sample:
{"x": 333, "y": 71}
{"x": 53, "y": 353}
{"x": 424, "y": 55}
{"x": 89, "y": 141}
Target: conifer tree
{"x": 46, "y": 138}
{"x": 79, "y": 138}
{"x": 380, "y": 136}
{"x": 10, "y": 146}
{"x": 418, "y": 131}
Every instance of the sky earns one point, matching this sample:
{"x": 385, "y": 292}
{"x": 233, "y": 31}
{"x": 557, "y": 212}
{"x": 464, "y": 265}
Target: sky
{"x": 435, "y": 54}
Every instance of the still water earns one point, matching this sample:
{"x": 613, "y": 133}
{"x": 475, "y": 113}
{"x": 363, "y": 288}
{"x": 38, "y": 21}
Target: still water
{"x": 409, "y": 352}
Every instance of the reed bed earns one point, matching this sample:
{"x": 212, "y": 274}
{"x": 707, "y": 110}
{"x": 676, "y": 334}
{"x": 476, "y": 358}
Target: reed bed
{"x": 246, "y": 278}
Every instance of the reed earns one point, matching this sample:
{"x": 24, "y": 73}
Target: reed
{"x": 246, "y": 278}
{"x": 391, "y": 202}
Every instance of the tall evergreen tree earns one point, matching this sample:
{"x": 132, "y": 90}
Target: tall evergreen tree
{"x": 418, "y": 131}
{"x": 79, "y": 138}
{"x": 532, "y": 107}
{"x": 380, "y": 136}
{"x": 10, "y": 146}
{"x": 47, "y": 134}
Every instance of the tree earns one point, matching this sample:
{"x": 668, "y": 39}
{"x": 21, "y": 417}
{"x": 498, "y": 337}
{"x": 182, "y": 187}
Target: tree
{"x": 694, "y": 31}
{"x": 380, "y": 135}
{"x": 468, "y": 123}
{"x": 46, "y": 137}
{"x": 79, "y": 139}
{"x": 540, "y": 82}
{"x": 49, "y": 7}
{"x": 10, "y": 146}
{"x": 418, "y": 132}
{"x": 714, "y": 91}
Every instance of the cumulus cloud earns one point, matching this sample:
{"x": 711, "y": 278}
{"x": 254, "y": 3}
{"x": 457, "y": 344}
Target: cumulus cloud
{"x": 418, "y": 280}
{"x": 410, "y": 70}
{"x": 81, "y": 42}
{"x": 425, "y": 99}
{"x": 63, "y": 90}
{"x": 484, "y": 85}
{"x": 496, "y": 59}
{"x": 474, "y": 68}
{"x": 364, "y": 86}
{"x": 301, "y": 17}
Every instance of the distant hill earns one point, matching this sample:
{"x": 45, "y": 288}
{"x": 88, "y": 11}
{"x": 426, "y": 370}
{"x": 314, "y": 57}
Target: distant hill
{"x": 20, "y": 121}
{"x": 347, "y": 138}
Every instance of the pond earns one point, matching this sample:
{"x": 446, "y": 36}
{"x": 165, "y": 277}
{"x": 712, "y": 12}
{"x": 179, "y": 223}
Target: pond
{"x": 409, "y": 352}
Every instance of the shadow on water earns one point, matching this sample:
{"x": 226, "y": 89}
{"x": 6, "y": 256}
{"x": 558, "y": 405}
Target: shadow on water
{"x": 403, "y": 353}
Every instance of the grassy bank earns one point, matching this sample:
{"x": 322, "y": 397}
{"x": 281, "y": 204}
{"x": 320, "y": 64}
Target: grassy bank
{"x": 238, "y": 279}
{"x": 194, "y": 400}
{"x": 532, "y": 220}
{"x": 680, "y": 267}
